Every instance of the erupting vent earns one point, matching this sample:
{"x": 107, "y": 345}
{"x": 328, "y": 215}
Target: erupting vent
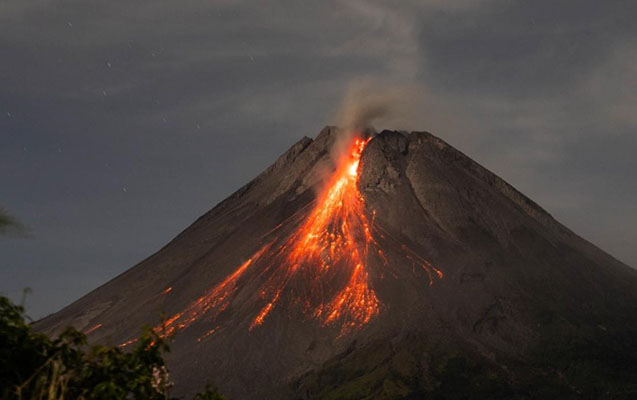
{"x": 321, "y": 268}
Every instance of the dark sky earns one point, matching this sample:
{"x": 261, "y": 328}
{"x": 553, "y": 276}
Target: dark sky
{"x": 121, "y": 122}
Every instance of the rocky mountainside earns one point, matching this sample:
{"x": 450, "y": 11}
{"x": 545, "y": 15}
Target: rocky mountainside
{"x": 399, "y": 268}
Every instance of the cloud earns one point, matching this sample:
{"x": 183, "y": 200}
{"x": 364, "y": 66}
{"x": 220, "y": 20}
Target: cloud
{"x": 615, "y": 81}
{"x": 182, "y": 102}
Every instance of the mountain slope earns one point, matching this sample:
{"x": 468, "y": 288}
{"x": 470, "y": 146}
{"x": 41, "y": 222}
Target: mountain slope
{"x": 400, "y": 269}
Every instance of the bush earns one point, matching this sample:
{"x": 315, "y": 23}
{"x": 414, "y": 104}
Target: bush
{"x": 32, "y": 366}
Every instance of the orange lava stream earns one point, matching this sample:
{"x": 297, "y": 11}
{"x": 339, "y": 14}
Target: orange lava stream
{"x": 215, "y": 300}
{"x": 336, "y": 232}
{"x": 321, "y": 267}
{"x": 93, "y": 329}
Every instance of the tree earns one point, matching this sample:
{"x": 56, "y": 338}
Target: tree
{"x": 8, "y": 224}
{"x": 33, "y": 366}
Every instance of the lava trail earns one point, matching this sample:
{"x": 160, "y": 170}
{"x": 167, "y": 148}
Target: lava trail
{"x": 321, "y": 268}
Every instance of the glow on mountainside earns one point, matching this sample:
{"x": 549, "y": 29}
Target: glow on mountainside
{"x": 321, "y": 267}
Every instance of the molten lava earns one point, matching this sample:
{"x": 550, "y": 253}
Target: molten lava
{"x": 335, "y": 234}
{"x": 321, "y": 268}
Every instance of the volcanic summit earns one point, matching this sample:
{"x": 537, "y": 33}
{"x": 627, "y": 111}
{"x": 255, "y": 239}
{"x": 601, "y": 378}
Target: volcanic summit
{"x": 382, "y": 265}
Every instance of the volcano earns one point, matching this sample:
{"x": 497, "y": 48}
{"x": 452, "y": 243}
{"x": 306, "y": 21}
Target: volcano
{"x": 382, "y": 265}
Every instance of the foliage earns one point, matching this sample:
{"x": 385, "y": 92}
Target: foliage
{"x": 33, "y": 366}
{"x": 10, "y": 225}
{"x": 210, "y": 393}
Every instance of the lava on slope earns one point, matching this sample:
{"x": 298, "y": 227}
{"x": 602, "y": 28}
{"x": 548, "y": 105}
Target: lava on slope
{"x": 321, "y": 268}
{"x": 261, "y": 286}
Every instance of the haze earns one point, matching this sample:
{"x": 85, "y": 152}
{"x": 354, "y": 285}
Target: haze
{"x": 121, "y": 123}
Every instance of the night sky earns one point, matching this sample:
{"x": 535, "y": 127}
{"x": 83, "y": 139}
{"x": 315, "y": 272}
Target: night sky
{"x": 121, "y": 122}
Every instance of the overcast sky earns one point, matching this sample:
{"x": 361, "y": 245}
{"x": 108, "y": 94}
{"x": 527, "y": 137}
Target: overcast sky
{"x": 121, "y": 122}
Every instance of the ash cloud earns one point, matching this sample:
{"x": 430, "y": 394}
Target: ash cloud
{"x": 363, "y": 105}
{"x": 366, "y": 103}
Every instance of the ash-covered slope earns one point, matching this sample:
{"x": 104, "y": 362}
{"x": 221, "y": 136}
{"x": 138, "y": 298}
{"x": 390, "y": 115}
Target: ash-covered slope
{"x": 413, "y": 272}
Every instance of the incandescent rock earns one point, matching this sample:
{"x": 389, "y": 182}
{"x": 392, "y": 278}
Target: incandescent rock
{"x": 481, "y": 293}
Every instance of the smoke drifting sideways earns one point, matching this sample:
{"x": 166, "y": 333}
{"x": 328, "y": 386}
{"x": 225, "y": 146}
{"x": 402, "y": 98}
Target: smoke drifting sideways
{"x": 12, "y": 227}
{"x": 367, "y": 102}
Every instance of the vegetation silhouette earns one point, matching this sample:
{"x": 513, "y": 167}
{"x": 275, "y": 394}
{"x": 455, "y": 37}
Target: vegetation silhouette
{"x": 33, "y": 366}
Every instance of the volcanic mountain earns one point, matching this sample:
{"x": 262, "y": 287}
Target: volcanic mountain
{"x": 382, "y": 265}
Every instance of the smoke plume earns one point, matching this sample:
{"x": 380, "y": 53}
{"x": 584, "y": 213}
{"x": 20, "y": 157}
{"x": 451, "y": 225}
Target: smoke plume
{"x": 366, "y": 102}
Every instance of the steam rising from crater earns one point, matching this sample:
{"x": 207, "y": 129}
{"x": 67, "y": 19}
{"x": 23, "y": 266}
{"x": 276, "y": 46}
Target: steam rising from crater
{"x": 365, "y": 103}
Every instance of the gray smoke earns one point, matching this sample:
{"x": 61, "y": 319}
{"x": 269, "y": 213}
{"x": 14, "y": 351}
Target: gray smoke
{"x": 366, "y": 102}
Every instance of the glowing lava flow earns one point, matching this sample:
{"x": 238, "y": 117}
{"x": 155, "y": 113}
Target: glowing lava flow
{"x": 335, "y": 234}
{"x": 321, "y": 268}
